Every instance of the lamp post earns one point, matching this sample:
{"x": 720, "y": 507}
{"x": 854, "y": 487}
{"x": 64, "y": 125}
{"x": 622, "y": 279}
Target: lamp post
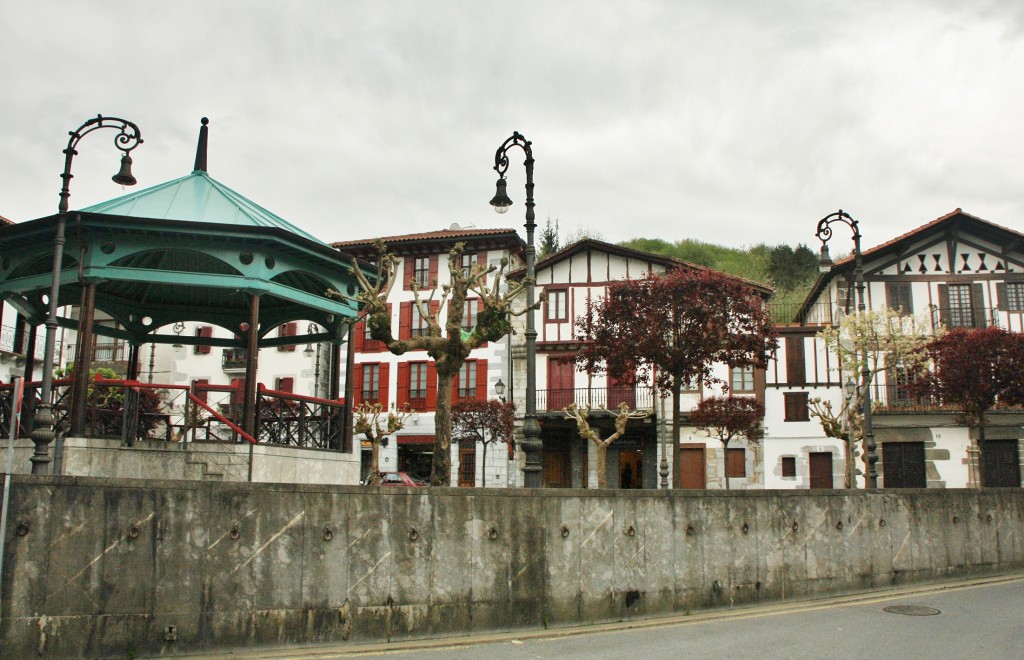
{"x": 532, "y": 444}
{"x": 309, "y": 352}
{"x": 499, "y": 389}
{"x": 824, "y": 233}
{"x": 127, "y": 138}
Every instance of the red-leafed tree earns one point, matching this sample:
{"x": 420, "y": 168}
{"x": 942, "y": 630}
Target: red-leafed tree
{"x": 976, "y": 370}
{"x": 487, "y": 422}
{"x": 671, "y": 329}
{"x": 726, "y": 417}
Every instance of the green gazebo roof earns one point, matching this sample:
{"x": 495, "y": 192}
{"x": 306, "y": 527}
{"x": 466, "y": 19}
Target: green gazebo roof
{"x": 197, "y": 197}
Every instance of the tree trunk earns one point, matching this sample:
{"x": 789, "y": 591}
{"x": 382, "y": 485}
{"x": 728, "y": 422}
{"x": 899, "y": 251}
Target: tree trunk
{"x": 602, "y": 464}
{"x": 373, "y": 479}
{"x": 977, "y": 450}
{"x": 483, "y": 467}
{"x": 677, "y": 421}
{"x": 441, "y": 466}
{"x": 725, "y": 463}
{"x": 850, "y": 466}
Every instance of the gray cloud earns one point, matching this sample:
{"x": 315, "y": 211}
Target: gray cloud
{"x": 738, "y": 123}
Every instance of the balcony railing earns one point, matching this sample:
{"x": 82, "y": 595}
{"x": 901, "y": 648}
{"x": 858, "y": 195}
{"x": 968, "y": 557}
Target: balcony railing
{"x": 639, "y": 398}
{"x": 233, "y": 359}
{"x": 965, "y": 317}
{"x": 106, "y": 352}
{"x": 9, "y": 343}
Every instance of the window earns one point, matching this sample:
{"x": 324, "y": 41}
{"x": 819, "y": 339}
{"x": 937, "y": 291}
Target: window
{"x": 789, "y": 466}
{"x": 558, "y": 305}
{"x": 287, "y": 330}
{"x": 417, "y": 381}
{"x": 960, "y": 306}
{"x": 421, "y": 272}
{"x": 735, "y": 463}
{"x": 467, "y": 261}
{"x": 371, "y": 383}
{"x": 742, "y": 379}
{"x": 285, "y": 384}
{"x": 465, "y": 382}
{"x": 796, "y": 364}
{"x": 419, "y": 327}
{"x": 796, "y": 407}
{"x": 203, "y": 332}
{"x": 1011, "y": 296}
{"x": 469, "y": 318}
{"x": 898, "y": 297}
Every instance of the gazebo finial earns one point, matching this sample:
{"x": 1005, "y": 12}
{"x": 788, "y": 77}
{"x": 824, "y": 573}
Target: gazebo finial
{"x": 201, "y": 147}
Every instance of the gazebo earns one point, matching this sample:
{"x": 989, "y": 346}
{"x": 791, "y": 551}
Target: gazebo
{"x": 190, "y": 249}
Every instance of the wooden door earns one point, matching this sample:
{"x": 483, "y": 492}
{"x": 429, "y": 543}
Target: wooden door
{"x": 1000, "y": 463}
{"x": 821, "y": 469}
{"x": 692, "y": 470}
{"x": 556, "y": 468}
{"x": 631, "y": 466}
{"x": 467, "y": 466}
{"x": 561, "y": 375}
{"x": 903, "y": 465}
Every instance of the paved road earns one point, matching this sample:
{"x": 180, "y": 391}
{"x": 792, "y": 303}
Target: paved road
{"x": 978, "y": 620}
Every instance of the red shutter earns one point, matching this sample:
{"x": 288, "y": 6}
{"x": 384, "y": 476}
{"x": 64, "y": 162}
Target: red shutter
{"x": 410, "y": 262}
{"x": 382, "y": 397}
{"x": 204, "y": 331}
{"x": 435, "y": 305}
{"x": 357, "y": 385}
{"x": 431, "y": 386}
{"x": 285, "y": 385}
{"x": 433, "y": 272}
{"x": 481, "y": 380}
{"x": 404, "y": 320}
{"x": 199, "y": 392}
{"x": 480, "y": 308}
{"x": 481, "y": 258}
{"x": 402, "y": 395}
{"x": 359, "y": 336}
{"x": 238, "y": 396}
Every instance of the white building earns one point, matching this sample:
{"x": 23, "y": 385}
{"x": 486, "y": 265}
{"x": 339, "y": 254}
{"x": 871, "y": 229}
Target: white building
{"x": 956, "y": 271}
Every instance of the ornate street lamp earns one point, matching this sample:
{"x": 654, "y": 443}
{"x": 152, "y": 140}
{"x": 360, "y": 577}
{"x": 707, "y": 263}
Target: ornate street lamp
{"x": 532, "y": 444}
{"x": 824, "y": 233}
{"x": 127, "y": 138}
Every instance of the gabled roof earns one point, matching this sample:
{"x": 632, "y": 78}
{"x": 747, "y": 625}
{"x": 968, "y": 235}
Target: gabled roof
{"x": 197, "y": 197}
{"x": 589, "y": 244}
{"x": 5, "y": 221}
{"x": 1008, "y": 238}
{"x": 433, "y": 241}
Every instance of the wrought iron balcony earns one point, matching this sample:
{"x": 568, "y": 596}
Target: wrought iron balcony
{"x": 233, "y": 359}
{"x": 638, "y": 398}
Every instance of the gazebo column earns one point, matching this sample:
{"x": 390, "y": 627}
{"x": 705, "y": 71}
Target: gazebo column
{"x": 28, "y": 411}
{"x": 133, "y": 362}
{"x": 83, "y": 361}
{"x": 350, "y": 366}
{"x": 251, "y": 363}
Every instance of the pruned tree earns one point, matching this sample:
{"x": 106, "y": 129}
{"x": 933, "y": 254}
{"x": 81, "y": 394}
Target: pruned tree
{"x": 376, "y": 422}
{"x": 486, "y": 422}
{"x": 976, "y": 370}
{"x": 882, "y": 339}
{"x": 444, "y": 341}
{"x": 671, "y": 329}
{"x": 726, "y": 417}
{"x": 582, "y": 415}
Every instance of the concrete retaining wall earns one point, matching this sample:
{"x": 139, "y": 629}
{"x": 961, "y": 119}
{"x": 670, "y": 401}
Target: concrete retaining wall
{"x": 102, "y": 567}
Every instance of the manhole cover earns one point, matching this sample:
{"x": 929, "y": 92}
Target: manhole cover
{"x": 911, "y": 610}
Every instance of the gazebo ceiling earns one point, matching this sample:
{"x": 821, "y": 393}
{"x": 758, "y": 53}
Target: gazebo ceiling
{"x": 190, "y": 249}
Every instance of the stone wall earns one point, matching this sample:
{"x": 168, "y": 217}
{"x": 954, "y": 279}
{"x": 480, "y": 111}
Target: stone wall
{"x": 103, "y": 567}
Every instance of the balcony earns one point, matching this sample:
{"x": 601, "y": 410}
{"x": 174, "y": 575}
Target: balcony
{"x": 639, "y": 398}
{"x": 233, "y": 359}
{"x": 11, "y": 345}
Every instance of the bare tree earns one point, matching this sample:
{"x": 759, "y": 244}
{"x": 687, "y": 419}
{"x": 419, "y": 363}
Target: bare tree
{"x": 573, "y": 411}
{"x": 447, "y": 343}
{"x": 371, "y": 421}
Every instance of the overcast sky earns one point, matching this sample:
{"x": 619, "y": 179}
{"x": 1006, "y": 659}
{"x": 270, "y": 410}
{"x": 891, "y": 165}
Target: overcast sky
{"x": 729, "y": 122}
